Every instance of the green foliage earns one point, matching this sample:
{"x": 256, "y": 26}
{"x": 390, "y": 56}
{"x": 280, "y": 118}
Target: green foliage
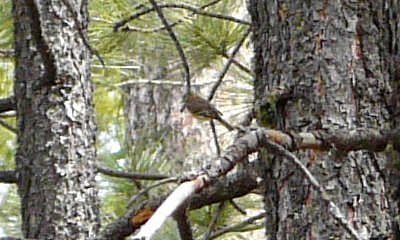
{"x": 6, "y": 25}
{"x": 228, "y": 217}
{"x": 9, "y": 211}
{"x": 208, "y": 39}
{"x": 7, "y": 142}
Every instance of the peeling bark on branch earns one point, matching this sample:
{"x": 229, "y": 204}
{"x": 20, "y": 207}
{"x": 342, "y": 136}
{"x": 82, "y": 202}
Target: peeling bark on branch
{"x": 323, "y": 140}
{"x": 233, "y": 186}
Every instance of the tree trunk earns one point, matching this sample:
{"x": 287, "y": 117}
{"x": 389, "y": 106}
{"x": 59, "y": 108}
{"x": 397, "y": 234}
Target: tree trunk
{"x": 329, "y": 65}
{"x": 154, "y": 120}
{"x": 56, "y": 131}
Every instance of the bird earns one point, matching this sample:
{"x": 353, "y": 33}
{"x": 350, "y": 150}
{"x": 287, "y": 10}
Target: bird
{"x": 202, "y": 109}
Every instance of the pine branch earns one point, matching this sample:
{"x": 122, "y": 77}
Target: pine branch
{"x": 194, "y": 10}
{"x": 176, "y": 42}
{"x": 128, "y": 28}
{"x": 227, "y": 65}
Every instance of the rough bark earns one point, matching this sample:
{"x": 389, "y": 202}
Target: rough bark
{"x": 337, "y": 58}
{"x": 56, "y": 142}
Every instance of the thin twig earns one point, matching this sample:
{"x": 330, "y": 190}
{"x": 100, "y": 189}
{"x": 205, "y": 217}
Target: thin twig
{"x": 239, "y": 65}
{"x": 238, "y": 225}
{"x": 7, "y": 53}
{"x": 333, "y": 208}
{"x": 227, "y": 65}
{"x": 181, "y": 6}
{"x": 9, "y": 176}
{"x": 214, "y": 132}
{"x": 184, "y": 226}
{"x": 8, "y": 104}
{"x": 145, "y": 190}
{"x": 214, "y": 220}
{"x": 173, "y": 202}
{"x": 131, "y": 176}
{"x": 176, "y": 41}
{"x": 237, "y": 207}
{"x": 8, "y": 126}
{"x": 157, "y": 29}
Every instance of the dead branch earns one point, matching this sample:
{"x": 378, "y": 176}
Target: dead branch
{"x": 130, "y": 175}
{"x": 184, "y": 226}
{"x": 277, "y": 143}
{"x": 7, "y": 104}
{"x": 238, "y": 225}
{"x": 11, "y": 177}
{"x": 8, "y": 177}
{"x": 233, "y": 186}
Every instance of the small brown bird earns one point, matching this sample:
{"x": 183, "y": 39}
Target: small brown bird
{"x": 202, "y": 109}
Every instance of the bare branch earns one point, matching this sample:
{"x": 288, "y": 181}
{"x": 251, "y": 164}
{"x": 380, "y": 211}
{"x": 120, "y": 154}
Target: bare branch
{"x": 214, "y": 220}
{"x": 7, "y": 104}
{"x": 237, "y": 207}
{"x": 132, "y": 176}
{"x": 340, "y": 139}
{"x": 145, "y": 190}
{"x": 241, "y": 183}
{"x": 8, "y": 126}
{"x": 227, "y": 65}
{"x": 215, "y": 136}
{"x": 333, "y": 208}
{"x": 176, "y": 41}
{"x": 239, "y": 65}
{"x": 238, "y": 225}
{"x": 195, "y": 10}
{"x": 173, "y": 202}
{"x": 182, "y": 220}
{"x": 233, "y": 186}
{"x": 8, "y": 177}
{"x": 157, "y": 29}
{"x": 274, "y": 141}
{"x": 7, "y": 53}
